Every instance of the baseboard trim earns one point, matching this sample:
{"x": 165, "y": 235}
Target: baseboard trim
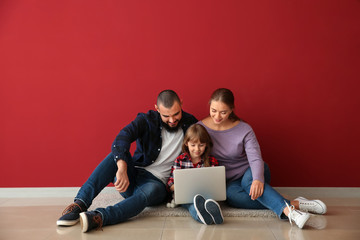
{"x": 314, "y": 192}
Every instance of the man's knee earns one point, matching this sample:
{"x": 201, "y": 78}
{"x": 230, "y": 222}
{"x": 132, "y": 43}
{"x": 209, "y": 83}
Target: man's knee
{"x": 154, "y": 193}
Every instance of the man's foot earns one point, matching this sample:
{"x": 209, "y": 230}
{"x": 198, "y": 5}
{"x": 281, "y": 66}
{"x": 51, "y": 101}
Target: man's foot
{"x": 70, "y": 215}
{"x": 90, "y": 220}
{"x": 311, "y": 206}
{"x": 199, "y": 204}
{"x": 214, "y": 209}
{"x": 300, "y": 218}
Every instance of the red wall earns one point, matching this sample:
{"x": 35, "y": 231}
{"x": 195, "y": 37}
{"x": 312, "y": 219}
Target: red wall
{"x": 73, "y": 73}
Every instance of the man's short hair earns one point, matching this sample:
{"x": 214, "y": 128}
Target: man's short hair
{"x": 167, "y": 98}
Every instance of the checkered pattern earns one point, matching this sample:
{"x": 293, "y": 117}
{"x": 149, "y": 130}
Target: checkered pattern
{"x": 184, "y": 161}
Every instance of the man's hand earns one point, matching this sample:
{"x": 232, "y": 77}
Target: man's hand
{"x": 256, "y": 189}
{"x": 122, "y": 179}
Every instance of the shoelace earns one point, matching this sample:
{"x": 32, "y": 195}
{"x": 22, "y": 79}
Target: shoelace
{"x": 291, "y": 208}
{"x": 70, "y": 208}
{"x": 98, "y": 220}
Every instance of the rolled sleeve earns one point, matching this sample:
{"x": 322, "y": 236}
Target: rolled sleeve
{"x": 121, "y": 145}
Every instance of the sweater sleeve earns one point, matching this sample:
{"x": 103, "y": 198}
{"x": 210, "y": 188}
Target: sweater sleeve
{"x": 252, "y": 149}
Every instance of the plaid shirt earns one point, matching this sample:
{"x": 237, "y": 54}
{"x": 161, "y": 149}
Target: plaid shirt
{"x": 184, "y": 161}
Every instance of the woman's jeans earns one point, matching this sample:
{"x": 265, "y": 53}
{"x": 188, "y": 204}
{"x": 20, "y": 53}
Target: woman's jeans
{"x": 144, "y": 190}
{"x": 237, "y": 194}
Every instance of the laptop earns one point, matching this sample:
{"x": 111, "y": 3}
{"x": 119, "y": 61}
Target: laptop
{"x": 210, "y": 182}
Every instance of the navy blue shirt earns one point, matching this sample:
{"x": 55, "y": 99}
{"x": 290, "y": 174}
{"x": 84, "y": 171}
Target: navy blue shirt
{"x": 146, "y": 131}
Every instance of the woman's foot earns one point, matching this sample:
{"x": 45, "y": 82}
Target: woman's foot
{"x": 311, "y": 206}
{"x": 300, "y": 218}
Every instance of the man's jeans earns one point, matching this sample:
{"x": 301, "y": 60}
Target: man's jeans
{"x": 144, "y": 190}
{"x": 237, "y": 194}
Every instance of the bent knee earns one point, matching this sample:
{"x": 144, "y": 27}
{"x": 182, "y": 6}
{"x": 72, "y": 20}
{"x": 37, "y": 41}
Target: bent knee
{"x": 154, "y": 193}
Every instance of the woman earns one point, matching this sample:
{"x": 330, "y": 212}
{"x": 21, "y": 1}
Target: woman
{"x": 248, "y": 177}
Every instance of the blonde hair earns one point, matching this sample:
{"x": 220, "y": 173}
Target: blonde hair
{"x": 198, "y": 132}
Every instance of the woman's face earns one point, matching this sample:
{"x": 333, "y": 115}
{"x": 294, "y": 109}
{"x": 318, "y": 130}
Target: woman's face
{"x": 219, "y": 112}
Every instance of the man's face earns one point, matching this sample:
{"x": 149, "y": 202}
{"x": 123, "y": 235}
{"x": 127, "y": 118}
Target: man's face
{"x": 170, "y": 116}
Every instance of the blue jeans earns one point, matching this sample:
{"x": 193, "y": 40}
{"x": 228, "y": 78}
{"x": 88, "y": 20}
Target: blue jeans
{"x": 144, "y": 190}
{"x": 237, "y": 194}
{"x": 190, "y": 207}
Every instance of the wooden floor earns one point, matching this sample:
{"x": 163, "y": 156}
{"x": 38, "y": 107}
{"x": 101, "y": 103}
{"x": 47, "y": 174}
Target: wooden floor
{"x": 35, "y": 218}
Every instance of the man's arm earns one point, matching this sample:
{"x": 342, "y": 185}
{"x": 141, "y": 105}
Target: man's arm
{"x": 121, "y": 145}
{"x": 122, "y": 179}
{"x": 121, "y": 150}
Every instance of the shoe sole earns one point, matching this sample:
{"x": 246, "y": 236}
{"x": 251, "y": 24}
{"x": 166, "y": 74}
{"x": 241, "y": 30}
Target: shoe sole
{"x": 215, "y": 211}
{"x": 201, "y": 212}
{"x": 84, "y": 222}
{"x": 67, "y": 222}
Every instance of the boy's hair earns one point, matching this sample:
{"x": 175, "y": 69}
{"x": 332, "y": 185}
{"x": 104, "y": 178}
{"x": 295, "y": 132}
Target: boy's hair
{"x": 198, "y": 132}
{"x": 167, "y": 98}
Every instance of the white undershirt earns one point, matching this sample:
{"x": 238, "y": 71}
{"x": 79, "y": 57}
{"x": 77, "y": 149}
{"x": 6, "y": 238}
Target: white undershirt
{"x": 170, "y": 150}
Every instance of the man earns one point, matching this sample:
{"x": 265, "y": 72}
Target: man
{"x": 140, "y": 178}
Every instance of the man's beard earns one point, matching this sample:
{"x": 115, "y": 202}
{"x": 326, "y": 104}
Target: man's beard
{"x": 171, "y": 129}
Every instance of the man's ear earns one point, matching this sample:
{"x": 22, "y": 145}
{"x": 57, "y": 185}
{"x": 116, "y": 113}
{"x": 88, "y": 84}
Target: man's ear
{"x": 157, "y": 108}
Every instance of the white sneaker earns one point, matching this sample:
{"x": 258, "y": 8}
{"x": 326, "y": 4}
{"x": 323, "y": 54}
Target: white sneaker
{"x": 311, "y": 206}
{"x": 296, "y": 234}
{"x": 317, "y": 222}
{"x": 300, "y": 218}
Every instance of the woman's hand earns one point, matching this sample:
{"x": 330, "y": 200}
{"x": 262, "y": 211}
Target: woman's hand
{"x": 256, "y": 189}
{"x": 122, "y": 179}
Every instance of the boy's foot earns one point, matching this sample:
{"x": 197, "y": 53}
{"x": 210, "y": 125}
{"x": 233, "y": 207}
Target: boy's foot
{"x": 311, "y": 206}
{"x": 199, "y": 204}
{"x": 70, "y": 215}
{"x": 300, "y": 218}
{"x": 90, "y": 220}
{"x": 214, "y": 209}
